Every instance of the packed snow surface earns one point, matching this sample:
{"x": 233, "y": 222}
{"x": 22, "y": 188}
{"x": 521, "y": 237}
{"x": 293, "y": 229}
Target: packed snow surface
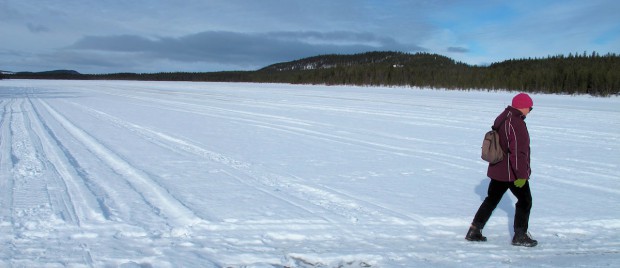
{"x": 180, "y": 174}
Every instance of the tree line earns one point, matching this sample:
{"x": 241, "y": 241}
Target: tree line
{"x": 593, "y": 74}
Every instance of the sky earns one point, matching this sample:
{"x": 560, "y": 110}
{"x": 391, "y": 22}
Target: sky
{"x": 109, "y": 36}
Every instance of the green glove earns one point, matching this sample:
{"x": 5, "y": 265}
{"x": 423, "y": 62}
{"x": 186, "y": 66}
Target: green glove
{"x": 520, "y": 182}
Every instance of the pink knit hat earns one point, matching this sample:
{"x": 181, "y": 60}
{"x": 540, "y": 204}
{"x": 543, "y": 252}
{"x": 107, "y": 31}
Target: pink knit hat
{"x": 521, "y": 101}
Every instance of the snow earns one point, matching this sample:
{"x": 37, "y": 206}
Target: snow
{"x": 180, "y": 174}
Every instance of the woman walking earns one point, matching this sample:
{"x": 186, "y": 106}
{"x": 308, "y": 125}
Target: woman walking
{"x": 512, "y": 173}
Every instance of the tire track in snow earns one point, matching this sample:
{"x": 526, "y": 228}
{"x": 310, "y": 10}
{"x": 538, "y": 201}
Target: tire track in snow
{"x": 175, "y": 213}
{"x": 40, "y": 204}
{"x": 56, "y": 187}
{"x": 296, "y": 129}
{"x": 33, "y": 215}
{"x": 296, "y": 194}
{"x": 239, "y": 170}
{"x": 300, "y": 127}
{"x": 291, "y": 186}
{"x": 6, "y": 185}
{"x": 579, "y": 184}
{"x": 74, "y": 181}
{"x": 290, "y": 189}
{"x": 6, "y": 180}
{"x": 32, "y": 206}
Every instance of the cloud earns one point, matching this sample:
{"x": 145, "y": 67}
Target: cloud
{"x": 241, "y": 49}
{"x": 458, "y": 49}
{"x": 141, "y": 36}
{"x": 35, "y": 28}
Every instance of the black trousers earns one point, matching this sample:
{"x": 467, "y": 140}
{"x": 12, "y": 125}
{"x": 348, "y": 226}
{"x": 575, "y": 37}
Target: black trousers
{"x": 495, "y": 193}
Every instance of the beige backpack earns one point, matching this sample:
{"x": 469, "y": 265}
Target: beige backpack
{"x": 491, "y": 149}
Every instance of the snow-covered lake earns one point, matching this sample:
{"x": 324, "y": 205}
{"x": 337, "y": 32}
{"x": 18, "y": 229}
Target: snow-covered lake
{"x": 176, "y": 174}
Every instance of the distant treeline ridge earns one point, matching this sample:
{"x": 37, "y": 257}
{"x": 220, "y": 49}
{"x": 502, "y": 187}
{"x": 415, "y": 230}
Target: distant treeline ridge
{"x": 593, "y": 74}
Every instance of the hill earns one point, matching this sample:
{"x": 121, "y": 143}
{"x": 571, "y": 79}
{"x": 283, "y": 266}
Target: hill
{"x": 574, "y": 74}
{"x": 393, "y": 59}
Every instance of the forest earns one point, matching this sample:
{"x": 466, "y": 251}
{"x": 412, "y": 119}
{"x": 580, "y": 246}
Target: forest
{"x": 585, "y": 73}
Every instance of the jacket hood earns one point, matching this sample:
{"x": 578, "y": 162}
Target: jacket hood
{"x": 508, "y": 112}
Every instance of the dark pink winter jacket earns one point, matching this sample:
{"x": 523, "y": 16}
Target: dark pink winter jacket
{"x": 515, "y": 141}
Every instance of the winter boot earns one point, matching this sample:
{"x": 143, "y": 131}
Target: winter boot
{"x": 474, "y": 234}
{"x": 523, "y": 239}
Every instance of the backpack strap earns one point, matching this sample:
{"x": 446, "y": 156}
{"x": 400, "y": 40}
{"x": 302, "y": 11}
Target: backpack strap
{"x": 497, "y": 130}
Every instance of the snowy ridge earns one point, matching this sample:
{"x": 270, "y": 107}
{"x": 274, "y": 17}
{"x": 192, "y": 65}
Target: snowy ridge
{"x": 139, "y": 174}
